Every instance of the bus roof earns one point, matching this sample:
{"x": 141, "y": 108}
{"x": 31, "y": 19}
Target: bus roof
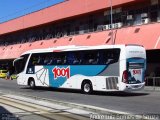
{"x": 75, "y": 48}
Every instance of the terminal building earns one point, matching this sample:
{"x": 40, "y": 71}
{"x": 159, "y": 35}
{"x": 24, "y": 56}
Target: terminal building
{"x": 85, "y": 22}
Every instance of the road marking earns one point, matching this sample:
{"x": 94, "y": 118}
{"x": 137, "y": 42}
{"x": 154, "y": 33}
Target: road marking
{"x": 69, "y": 108}
{"x": 49, "y": 113}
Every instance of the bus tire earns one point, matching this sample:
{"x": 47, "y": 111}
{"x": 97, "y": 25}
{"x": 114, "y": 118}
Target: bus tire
{"x": 31, "y": 83}
{"x": 87, "y": 87}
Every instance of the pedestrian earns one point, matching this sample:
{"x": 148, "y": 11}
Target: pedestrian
{"x": 8, "y": 74}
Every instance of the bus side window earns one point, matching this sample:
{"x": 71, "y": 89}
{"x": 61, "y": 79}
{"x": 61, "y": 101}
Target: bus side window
{"x": 70, "y": 58}
{"x": 90, "y": 57}
{"x": 33, "y": 61}
{"x": 46, "y": 60}
{"x": 59, "y": 59}
{"x": 105, "y": 57}
{"x": 96, "y": 58}
{"x": 111, "y": 56}
{"x": 39, "y": 62}
{"x": 84, "y": 58}
{"x": 64, "y": 59}
{"x": 43, "y": 59}
{"x": 77, "y": 58}
{"x": 101, "y": 57}
{"x": 54, "y": 60}
{"x": 51, "y": 61}
{"x": 76, "y": 61}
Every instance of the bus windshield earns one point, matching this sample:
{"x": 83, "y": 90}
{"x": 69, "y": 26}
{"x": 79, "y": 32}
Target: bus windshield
{"x": 20, "y": 63}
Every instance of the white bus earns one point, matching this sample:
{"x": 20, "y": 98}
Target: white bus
{"x": 87, "y": 68}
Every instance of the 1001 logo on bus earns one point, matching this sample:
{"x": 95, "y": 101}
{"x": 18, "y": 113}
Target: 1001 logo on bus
{"x": 136, "y": 72}
{"x": 61, "y": 72}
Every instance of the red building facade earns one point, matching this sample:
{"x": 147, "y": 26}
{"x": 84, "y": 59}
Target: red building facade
{"x": 84, "y": 22}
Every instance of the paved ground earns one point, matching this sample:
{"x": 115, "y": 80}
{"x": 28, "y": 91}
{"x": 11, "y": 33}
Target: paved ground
{"x": 13, "y": 107}
{"x": 144, "y": 102}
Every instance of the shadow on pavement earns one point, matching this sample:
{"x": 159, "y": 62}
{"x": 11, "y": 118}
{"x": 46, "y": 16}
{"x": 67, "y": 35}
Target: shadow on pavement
{"x": 7, "y": 115}
{"x": 116, "y": 94}
{"x": 122, "y": 94}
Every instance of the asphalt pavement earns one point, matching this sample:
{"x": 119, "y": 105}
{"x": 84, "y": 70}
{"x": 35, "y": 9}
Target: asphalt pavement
{"x": 141, "y": 102}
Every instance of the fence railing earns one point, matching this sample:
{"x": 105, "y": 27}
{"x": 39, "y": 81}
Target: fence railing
{"x": 153, "y": 81}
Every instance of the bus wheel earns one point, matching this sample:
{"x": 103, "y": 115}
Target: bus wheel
{"x": 32, "y": 83}
{"x": 87, "y": 87}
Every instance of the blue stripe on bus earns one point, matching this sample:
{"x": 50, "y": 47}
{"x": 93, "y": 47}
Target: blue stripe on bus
{"x": 136, "y": 60}
{"x": 86, "y": 70}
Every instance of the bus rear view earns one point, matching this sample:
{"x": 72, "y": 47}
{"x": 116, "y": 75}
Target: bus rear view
{"x": 133, "y": 76}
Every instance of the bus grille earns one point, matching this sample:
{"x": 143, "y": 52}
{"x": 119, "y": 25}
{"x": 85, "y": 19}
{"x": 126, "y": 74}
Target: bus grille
{"x": 111, "y": 83}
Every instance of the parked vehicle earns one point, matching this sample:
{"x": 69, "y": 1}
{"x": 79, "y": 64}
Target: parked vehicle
{"x": 3, "y": 73}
